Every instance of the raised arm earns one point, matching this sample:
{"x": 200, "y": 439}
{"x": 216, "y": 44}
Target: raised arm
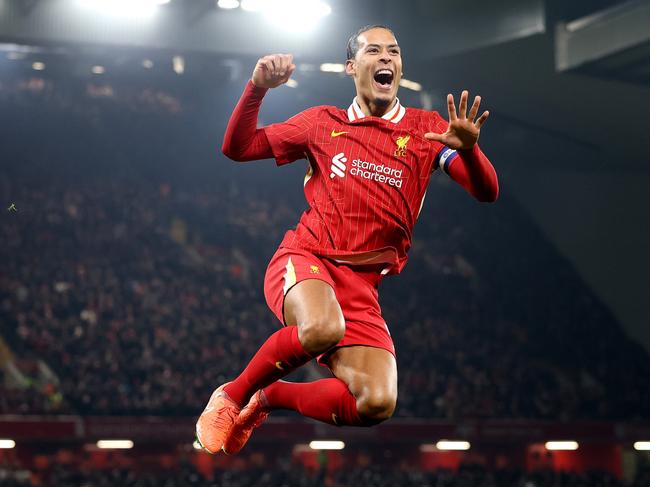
{"x": 470, "y": 168}
{"x": 243, "y": 141}
{"x": 474, "y": 172}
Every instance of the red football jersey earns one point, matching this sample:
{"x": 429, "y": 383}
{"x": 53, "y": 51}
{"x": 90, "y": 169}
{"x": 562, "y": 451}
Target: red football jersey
{"x": 366, "y": 181}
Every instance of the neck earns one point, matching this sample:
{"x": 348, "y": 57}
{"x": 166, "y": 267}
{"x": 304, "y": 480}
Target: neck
{"x": 372, "y": 109}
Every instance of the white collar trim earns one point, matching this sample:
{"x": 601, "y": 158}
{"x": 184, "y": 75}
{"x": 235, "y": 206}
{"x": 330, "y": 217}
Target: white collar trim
{"x": 394, "y": 115}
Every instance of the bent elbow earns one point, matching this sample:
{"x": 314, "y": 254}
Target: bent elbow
{"x": 489, "y": 196}
{"x": 490, "y": 199}
{"x": 491, "y": 192}
{"x": 227, "y": 150}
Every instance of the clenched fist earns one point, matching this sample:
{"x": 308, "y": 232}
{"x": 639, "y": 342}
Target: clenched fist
{"x": 273, "y": 70}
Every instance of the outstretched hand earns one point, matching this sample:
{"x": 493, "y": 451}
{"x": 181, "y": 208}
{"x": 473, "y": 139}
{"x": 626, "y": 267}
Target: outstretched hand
{"x": 273, "y": 70}
{"x": 462, "y": 132}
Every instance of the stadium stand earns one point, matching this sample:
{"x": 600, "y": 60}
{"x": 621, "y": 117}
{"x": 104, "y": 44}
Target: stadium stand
{"x": 133, "y": 266}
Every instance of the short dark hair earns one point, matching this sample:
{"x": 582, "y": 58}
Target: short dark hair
{"x": 353, "y": 41}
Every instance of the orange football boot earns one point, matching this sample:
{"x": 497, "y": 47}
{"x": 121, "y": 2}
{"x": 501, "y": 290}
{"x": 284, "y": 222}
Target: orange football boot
{"x": 216, "y": 421}
{"x": 253, "y": 415}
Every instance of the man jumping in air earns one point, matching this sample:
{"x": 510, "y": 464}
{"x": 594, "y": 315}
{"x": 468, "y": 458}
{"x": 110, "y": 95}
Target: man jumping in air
{"x": 369, "y": 167}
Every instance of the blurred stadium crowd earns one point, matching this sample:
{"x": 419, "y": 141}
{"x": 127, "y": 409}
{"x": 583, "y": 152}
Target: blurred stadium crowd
{"x": 291, "y": 474}
{"x": 133, "y": 266}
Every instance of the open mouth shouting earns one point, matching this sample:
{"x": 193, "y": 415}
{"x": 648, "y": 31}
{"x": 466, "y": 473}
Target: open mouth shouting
{"x": 383, "y": 79}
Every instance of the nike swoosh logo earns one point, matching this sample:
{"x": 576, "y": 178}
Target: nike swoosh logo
{"x": 278, "y": 365}
{"x": 334, "y": 419}
{"x": 336, "y": 134}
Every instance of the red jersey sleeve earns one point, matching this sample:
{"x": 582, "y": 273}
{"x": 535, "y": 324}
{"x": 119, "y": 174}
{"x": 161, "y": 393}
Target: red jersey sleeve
{"x": 243, "y": 141}
{"x": 469, "y": 168}
{"x": 289, "y": 140}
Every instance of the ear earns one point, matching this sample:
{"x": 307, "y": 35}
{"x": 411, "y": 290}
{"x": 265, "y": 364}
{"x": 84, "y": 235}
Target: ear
{"x": 350, "y": 67}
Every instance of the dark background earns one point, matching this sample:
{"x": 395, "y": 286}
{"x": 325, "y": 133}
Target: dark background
{"x": 570, "y": 145}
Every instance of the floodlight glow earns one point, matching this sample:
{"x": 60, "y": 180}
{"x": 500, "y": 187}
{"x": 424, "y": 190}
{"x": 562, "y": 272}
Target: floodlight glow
{"x": 228, "y": 4}
{"x": 98, "y": 69}
{"x": 326, "y": 445}
{"x": 252, "y": 5}
{"x": 7, "y": 444}
{"x": 452, "y": 445}
{"x": 332, "y": 67}
{"x": 642, "y": 445}
{"x": 147, "y": 64}
{"x": 292, "y": 83}
{"x": 410, "y": 85}
{"x": 124, "y": 8}
{"x": 115, "y": 444}
{"x": 38, "y": 66}
{"x": 178, "y": 63}
{"x": 561, "y": 445}
{"x": 296, "y": 15}
{"x": 290, "y": 15}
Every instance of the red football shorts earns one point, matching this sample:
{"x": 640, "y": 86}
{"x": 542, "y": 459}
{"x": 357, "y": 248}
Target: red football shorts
{"x": 355, "y": 288}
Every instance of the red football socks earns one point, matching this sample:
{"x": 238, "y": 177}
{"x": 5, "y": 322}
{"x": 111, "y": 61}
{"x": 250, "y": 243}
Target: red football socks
{"x": 279, "y": 355}
{"x": 327, "y": 400}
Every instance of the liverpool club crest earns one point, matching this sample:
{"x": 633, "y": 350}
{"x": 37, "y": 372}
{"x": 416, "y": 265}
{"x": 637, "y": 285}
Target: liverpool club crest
{"x": 401, "y": 145}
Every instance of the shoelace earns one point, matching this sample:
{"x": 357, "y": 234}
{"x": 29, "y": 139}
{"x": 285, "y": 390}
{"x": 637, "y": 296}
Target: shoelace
{"x": 220, "y": 421}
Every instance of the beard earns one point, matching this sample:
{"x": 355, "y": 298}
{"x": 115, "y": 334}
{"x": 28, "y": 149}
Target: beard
{"x": 383, "y": 102}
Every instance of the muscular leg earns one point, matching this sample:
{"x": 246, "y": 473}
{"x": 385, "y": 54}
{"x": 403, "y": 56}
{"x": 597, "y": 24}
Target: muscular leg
{"x": 310, "y": 305}
{"x": 371, "y": 375}
{"x": 363, "y": 393}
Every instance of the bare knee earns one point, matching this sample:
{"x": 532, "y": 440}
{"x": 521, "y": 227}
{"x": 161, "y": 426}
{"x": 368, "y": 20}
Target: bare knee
{"x": 375, "y": 406}
{"x": 312, "y": 306}
{"x": 371, "y": 375}
{"x": 318, "y": 334}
